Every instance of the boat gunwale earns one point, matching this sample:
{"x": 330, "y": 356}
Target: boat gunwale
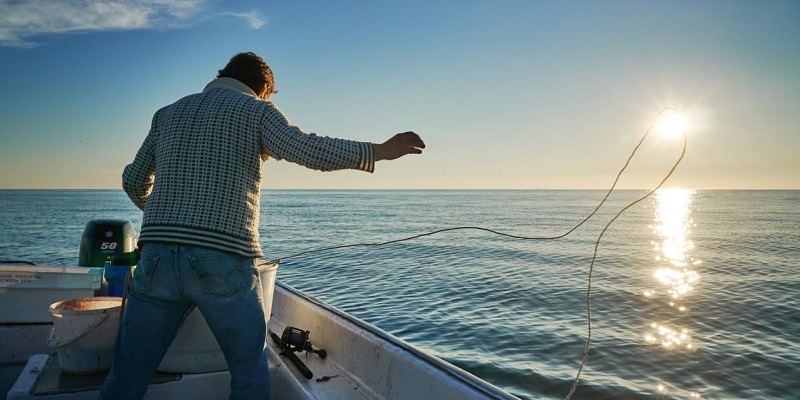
{"x": 449, "y": 369}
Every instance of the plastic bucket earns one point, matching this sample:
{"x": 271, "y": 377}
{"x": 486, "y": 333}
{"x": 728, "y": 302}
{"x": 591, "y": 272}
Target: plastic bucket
{"x": 195, "y": 349}
{"x": 84, "y": 331}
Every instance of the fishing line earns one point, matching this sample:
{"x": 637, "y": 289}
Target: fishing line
{"x": 594, "y": 258}
{"x": 478, "y": 228}
{"x": 520, "y": 237}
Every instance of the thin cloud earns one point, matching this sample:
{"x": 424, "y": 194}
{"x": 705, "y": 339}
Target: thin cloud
{"x": 20, "y": 21}
{"x": 252, "y": 18}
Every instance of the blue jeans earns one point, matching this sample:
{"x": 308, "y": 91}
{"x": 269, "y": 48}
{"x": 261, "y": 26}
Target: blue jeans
{"x": 167, "y": 284}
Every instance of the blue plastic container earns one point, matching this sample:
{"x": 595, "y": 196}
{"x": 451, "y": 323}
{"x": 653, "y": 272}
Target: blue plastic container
{"x": 115, "y": 276}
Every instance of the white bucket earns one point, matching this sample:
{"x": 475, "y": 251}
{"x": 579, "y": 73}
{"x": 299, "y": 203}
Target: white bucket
{"x": 195, "y": 349}
{"x": 84, "y": 331}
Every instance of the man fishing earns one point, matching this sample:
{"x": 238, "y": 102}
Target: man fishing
{"x": 197, "y": 177}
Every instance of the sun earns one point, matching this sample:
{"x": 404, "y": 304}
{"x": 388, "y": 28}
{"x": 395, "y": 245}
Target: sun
{"x": 672, "y": 124}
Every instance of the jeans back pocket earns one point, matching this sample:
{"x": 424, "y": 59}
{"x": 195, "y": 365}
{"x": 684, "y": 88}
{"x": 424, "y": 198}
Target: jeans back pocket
{"x": 142, "y": 277}
{"x": 221, "y": 275}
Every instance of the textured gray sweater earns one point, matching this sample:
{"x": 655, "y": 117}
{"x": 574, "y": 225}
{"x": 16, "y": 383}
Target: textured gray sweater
{"x": 197, "y": 175}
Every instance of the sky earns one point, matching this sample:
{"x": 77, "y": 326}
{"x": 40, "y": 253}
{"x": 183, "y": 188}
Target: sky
{"x": 506, "y": 94}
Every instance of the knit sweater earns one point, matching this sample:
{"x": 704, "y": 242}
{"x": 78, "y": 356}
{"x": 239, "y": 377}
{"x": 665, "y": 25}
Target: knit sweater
{"x": 197, "y": 176}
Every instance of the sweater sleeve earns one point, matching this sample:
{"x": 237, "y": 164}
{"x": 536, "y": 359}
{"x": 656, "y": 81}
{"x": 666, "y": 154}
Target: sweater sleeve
{"x": 138, "y": 176}
{"x": 284, "y": 141}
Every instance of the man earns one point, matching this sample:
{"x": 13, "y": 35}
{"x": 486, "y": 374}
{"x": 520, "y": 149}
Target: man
{"x": 197, "y": 177}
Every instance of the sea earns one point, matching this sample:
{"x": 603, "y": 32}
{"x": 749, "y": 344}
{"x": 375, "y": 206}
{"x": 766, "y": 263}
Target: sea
{"x": 693, "y": 293}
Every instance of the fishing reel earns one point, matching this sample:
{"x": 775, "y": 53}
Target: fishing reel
{"x": 295, "y": 339}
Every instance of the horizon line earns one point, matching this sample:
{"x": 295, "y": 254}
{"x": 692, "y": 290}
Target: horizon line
{"x": 425, "y": 189}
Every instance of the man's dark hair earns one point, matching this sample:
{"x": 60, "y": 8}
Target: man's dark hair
{"x": 251, "y": 70}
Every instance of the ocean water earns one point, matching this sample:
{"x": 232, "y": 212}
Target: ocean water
{"x": 694, "y": 294}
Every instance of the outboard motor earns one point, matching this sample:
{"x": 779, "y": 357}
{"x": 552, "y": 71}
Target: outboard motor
{"x": 102, "y": 241}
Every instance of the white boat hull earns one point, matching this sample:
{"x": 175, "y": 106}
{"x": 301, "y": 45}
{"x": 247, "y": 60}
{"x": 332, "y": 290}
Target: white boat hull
{"x": 364, "y": 361}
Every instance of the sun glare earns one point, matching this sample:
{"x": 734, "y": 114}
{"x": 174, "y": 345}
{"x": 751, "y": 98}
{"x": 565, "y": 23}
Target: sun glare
{"x": 672, "y": 124}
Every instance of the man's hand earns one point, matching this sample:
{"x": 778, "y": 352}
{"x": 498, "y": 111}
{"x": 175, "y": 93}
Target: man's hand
{"x": 398, "y": 146}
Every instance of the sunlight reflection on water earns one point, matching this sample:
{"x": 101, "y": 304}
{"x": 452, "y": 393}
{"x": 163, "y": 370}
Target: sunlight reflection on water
{"x": 674, "y": 276}
{"x": 673, "y": 225}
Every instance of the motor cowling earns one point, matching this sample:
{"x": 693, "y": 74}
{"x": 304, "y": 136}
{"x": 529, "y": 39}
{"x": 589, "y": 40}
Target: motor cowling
{"x": 103, "y": 238}
{"x": 109, "y": 243}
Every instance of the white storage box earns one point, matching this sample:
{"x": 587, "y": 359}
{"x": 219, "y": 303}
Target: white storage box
{"x": 27, "y": 291}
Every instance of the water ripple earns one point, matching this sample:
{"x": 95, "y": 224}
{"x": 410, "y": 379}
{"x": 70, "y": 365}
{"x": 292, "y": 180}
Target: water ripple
{"x": 514, "y": 312}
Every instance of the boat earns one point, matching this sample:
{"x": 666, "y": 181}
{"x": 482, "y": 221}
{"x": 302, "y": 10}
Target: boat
{"x": 349, "y": 359}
